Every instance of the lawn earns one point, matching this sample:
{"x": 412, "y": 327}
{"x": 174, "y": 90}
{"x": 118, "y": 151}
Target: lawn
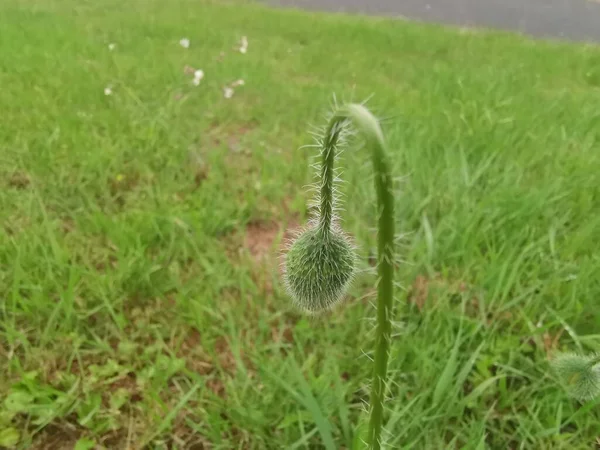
{"x": 141, "y": 301}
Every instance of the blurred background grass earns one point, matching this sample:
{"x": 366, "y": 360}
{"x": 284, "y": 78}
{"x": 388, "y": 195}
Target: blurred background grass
{"x": 141, "y": 302}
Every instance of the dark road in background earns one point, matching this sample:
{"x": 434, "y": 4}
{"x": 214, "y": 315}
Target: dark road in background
{"x": 564, "y": 19}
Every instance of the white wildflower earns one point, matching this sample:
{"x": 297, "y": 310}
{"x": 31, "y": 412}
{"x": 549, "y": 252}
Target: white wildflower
{"x": 198, "y": 75}
{"x": 111, "y": 46}
{"x": 227, "y": 92}
{"x": 238, "y": 83}
{"x": 108, "y": 90}
{"x": 244, "y": 45}
{"x": 185, "y": 43}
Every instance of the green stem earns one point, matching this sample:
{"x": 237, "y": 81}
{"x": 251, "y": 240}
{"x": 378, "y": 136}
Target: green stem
{"x": 369, "y": 127}
{"x": 332, "y": 135}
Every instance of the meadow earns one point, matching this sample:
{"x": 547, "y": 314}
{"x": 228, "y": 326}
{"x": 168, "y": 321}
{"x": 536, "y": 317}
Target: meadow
{"x": 142, "y": 216}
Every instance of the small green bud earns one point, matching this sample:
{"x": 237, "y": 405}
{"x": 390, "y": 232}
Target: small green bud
{"x": 318, "y": 269}
{"x": 580, "y": 374}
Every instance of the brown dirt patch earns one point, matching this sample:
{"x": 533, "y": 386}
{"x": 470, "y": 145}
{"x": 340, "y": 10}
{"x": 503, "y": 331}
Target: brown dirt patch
{"x": 225, "y": 355}
{"x": 551, "y": 341}
{"x": 19, "y": 180}
{"x": 216, "y": 386}
{"x": 121, "y": 184}
{"x": 423, "y": 286}
{"x": 56, "y": 438}
{"x": 129, "y": 384}
{"x": 229, "y": 135}
{"x": 259, "y": 239}
{"x": 282, "y": 332}
{"x": 419, "y": 292}
{"x": 260, "y": 242}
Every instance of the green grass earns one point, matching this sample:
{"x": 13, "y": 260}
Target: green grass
{"x": 141, "y": 305}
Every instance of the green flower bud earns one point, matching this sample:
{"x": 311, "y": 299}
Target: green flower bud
{"x": 580, "y": 374}
{"x": 318, "y": 269}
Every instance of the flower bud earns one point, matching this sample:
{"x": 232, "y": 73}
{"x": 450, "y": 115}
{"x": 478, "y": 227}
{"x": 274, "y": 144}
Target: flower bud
{"x": 318, "y": 269}
{"x": 580, "y": 374}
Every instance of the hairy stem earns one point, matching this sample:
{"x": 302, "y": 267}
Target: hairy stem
{"x": 369, "y": 127}
{"x": 332, "y": 135}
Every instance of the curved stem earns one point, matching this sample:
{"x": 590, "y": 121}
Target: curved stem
{"x": 369, "y": 127}
{"x": 332, "y": 135}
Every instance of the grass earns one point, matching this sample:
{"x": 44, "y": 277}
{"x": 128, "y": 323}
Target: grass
{"x": 141, "y": 300}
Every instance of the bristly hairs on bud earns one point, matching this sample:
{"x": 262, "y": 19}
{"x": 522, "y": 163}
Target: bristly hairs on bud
{"x": 320, "y": 262}
{"x": 580, "y": 374}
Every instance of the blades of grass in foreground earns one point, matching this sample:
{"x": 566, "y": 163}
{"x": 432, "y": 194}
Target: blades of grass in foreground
{"x": 448, "y": 373}
{"x": 303, "y": 440}
{"x": 307, "y": 399}
{"x": 343, "y": 411}
{"x": 396, "y": 416}
{"x": 481, "y": 388}
{"x": 173, "y": 413}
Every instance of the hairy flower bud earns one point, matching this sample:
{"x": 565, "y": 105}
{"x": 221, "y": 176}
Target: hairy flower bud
{"x": 581, "y": 374}
{"x": 318, "y": 269}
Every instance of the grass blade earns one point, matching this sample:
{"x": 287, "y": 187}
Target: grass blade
{"x": 445, "y": 379}
{"x": 308, "y": 401}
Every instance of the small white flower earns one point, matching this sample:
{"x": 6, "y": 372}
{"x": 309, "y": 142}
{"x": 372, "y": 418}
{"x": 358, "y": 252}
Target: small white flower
{"x": 111, "y": 46}
{"x": 244, "y": 45}
{"x": 108, "y": 90}
{"x": 185, "y": 43}
{"x": 238, "y": 83}
{"x": 198, "y": 75}
{"x": 227, "y": 92}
